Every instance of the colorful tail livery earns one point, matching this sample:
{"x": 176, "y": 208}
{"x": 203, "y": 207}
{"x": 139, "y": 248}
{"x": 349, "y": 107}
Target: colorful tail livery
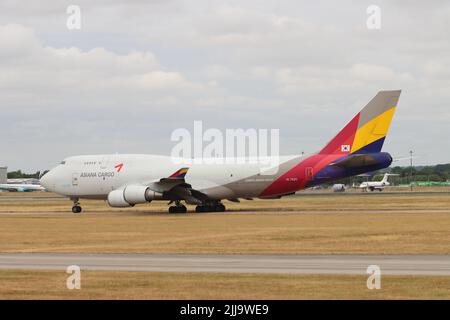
{"x": 366, "y": 132}
{"x": 354, "y": 150}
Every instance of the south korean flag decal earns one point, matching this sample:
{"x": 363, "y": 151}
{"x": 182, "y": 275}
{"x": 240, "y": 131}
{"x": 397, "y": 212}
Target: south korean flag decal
{"x": 345, "y": 148}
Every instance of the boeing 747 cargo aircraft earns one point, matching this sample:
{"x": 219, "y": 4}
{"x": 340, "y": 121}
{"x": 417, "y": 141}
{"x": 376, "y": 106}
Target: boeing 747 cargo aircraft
{"x": 124, "y": 180}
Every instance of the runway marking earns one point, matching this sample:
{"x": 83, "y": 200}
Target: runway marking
{"x": 283, "y": 264}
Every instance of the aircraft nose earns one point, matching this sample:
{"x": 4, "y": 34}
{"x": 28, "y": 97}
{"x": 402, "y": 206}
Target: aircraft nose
{"x": 48, "y": 180}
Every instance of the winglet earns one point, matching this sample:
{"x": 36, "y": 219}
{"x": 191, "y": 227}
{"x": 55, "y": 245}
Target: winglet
{"x": 179, "y": 174}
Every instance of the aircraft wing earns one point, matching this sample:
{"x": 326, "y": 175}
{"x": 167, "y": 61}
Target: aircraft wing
{"x": 176, "y": 187}
{"x": 166, "y": 184}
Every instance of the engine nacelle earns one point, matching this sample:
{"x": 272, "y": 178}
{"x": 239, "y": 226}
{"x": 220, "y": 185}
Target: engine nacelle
{"x": 116, "y": 199}
{"x": 135, "y": 194}
{"x": 131, "y": 195}
{"x": 153, "y": 195}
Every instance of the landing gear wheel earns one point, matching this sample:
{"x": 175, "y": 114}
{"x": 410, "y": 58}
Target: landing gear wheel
{"x": 217, "y": 207}
{"x": 76, "y": 209}
{"x": 76, "y": 205}
{"x": 178, "y": 209}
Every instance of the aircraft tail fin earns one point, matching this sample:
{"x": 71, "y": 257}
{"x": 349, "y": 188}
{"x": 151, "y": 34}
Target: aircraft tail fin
{"x": 366, "y": 132}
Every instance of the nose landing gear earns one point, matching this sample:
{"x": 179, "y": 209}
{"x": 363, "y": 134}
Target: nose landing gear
{"x": 76, "y": 206}
{"x": 76, "y": 209}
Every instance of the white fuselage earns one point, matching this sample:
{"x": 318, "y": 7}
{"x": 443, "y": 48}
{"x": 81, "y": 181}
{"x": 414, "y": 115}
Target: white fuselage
{"x": 375, "y": 184}
{"x": 96, "y": 176}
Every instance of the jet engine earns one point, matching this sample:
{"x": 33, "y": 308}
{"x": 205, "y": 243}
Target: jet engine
{"x": 131, "y": 195}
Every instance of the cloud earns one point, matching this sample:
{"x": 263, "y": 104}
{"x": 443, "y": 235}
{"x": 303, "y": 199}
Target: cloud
{"x": 16, "y": 42}
{"x": 138, "y": 70}
{"x": 78, "y": 66}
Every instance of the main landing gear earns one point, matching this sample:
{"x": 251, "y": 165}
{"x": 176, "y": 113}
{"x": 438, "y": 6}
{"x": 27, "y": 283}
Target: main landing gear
{"x": 215, "y": 206}
{"x": 210, "y": 207}
{"x": 76, "y": 206}
{"x": 177, "y": 208}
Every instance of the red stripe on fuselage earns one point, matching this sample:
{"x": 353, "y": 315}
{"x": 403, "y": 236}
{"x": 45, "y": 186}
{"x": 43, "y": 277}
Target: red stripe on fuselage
{"x": 297, "y": 177}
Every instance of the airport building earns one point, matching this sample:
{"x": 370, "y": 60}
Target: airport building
{"x": 3, "y": 174}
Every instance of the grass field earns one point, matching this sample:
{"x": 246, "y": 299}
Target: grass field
{"x": 310, "y": 223}
{"x": 140, "y": 285}
{"x": 336, "y": 224}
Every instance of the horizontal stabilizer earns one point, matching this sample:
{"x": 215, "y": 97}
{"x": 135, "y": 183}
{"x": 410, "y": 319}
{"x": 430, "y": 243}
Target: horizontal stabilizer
{"x": 356, "y": 160}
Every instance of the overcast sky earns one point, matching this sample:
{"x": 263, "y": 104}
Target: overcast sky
{"x": 135, "y": 72}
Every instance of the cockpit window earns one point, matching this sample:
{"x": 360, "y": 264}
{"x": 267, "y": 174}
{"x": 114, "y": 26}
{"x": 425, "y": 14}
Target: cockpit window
{"x": 63, "y": 162}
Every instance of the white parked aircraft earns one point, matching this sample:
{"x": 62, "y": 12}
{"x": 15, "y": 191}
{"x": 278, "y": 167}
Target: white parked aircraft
{"x": 130, "y": 179}
{"x": 21, "y": 187}
{"x": 377, "y": 185}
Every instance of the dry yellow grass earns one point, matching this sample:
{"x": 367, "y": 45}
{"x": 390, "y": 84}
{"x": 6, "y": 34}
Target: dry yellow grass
{"x": 140, "y": 285}
{"x": 378, "y": 224}
{"x": 305, "y": 202}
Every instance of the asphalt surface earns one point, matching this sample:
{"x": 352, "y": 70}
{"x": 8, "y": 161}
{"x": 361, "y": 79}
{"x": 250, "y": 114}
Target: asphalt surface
{"x": 283, "y": 264}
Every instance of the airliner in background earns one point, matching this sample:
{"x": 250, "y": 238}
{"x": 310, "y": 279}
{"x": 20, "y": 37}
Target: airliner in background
{"x": 124, "y": 180}
{"x": 18, "y": 185}
{"x": 21, "y": 187}
{"x": 377, "y": 185}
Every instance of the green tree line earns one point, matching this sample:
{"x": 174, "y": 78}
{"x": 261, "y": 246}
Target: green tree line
{"x": 437, "y": 173}
{"x": 21, "y": 175}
